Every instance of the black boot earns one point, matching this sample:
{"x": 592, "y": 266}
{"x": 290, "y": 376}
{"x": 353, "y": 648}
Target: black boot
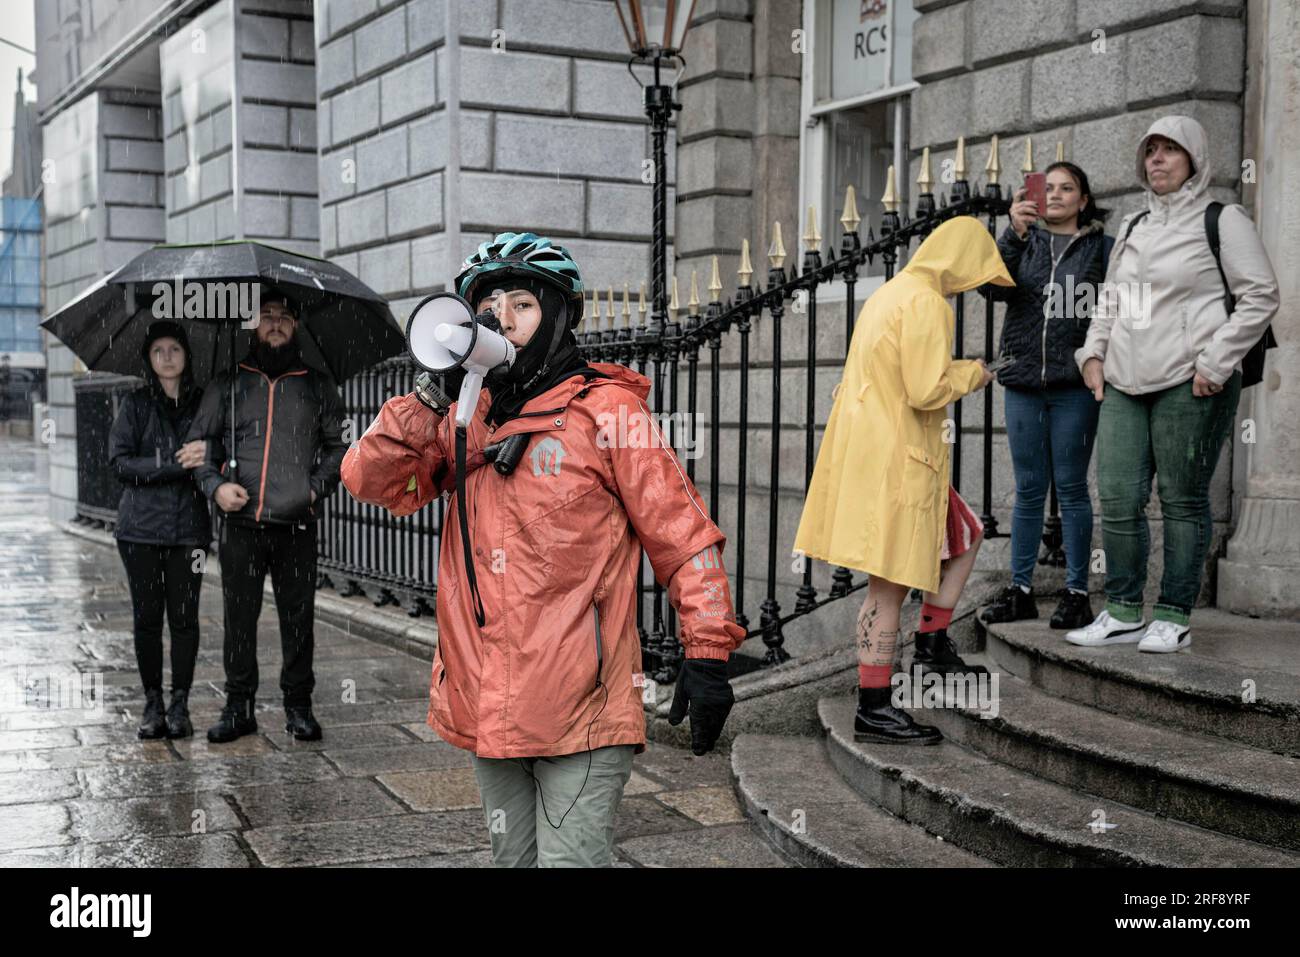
{"x": 178, "y": 714}
{"x": 152, "y": 725}
{"x": 879, "y": 721}
{"x": 1074, "y": 611}
{"x": 935, "y": 654}
{"x": 300, "y": 722}
{"x": 236, "y": 721}
{"x": 1012, "y": 604}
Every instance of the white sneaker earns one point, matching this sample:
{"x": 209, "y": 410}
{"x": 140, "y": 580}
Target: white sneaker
{"x": 1164, "y": 636}
{"x": 1106, "y": 630}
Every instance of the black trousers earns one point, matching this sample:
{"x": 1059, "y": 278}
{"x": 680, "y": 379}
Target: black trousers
{"x": 288, "y": 552}
{"x": 162, "y": 578}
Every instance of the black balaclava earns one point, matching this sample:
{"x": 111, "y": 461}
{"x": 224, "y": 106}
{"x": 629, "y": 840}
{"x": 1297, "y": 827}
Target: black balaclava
{"x": 187, "y": 393}
{"x": 550, "y": 357}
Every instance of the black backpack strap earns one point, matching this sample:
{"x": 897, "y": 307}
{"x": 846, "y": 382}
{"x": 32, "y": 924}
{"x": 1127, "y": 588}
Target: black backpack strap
{"x": 1134, "y": 221}
{"x": 1212, "y": 236}
{"x": 1252, "y": 364}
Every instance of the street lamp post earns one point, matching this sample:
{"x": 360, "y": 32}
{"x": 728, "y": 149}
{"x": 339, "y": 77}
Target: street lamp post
{"x": 655, "y": 31}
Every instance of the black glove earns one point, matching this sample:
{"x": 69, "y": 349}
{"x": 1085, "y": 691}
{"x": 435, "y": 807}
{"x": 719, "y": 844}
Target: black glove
{"x": 703, "y": 686}
{"x": 428, "y": 392}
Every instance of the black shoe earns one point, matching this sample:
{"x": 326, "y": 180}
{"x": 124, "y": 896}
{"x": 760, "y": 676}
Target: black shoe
{"x": 178, "y": 715}
{"x": 153, "y": 724}
{"x": 935, "y": 654}
{"x": 301, "y": 723}
{"x": 879, "y": 721}
{"x": 1074, "y": 611}
{"x": 236, "y": 721}
{"x": 1012, "y": 604}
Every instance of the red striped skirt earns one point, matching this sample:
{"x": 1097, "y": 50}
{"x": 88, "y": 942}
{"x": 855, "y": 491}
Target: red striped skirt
{"x": 962, "y": 529}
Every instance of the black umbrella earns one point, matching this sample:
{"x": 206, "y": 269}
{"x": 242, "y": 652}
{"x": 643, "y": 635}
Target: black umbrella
{"x": 343, "y": 325}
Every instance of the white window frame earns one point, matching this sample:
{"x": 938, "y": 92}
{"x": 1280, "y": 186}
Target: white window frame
{"x": 814, "y": 140}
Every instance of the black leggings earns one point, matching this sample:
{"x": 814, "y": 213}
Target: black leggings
{"x": 162, "y": 576}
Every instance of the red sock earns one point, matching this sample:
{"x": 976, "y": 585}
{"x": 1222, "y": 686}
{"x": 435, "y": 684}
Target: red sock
{"x": 934, "y": 618}
{"x": 874, "y": 676}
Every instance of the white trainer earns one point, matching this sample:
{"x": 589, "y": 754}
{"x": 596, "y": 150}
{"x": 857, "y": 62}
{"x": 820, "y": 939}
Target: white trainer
{"x": 1106, "y": 630}
{"x": 1165, "y": 636}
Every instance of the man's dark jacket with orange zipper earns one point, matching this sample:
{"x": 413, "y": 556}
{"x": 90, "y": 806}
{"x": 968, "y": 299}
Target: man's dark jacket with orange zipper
{"x": 288, "y": 440}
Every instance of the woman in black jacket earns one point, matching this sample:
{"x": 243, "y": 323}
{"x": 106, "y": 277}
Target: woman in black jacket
{"x": 163, "y": 527}
{"x": 1051, "y": 416}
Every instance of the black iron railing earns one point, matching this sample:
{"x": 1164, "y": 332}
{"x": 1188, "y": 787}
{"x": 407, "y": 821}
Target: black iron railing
{"x": 365, "y": 550}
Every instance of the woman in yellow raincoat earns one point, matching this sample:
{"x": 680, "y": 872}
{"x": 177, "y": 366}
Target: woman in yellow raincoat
{"x": 880, "y": 500}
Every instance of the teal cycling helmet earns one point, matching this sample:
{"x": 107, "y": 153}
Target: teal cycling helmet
{"x": 524, "y": 254}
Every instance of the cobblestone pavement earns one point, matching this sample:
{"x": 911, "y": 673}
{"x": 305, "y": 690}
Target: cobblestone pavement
{"x": 78, "y": 788}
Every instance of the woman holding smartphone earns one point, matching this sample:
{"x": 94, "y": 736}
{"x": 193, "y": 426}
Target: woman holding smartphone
{"x": 1051, "y": 417}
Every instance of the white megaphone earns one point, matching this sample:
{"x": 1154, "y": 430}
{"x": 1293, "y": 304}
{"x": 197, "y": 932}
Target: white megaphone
{"x": 443, "y": 335}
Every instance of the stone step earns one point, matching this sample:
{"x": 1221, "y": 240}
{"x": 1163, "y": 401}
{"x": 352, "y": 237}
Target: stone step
{"x": 792, "y": 791}
{"x": 1016, "y": 819}
{"x": 1178, "y": 774}
{"x": 1239, "y": 679}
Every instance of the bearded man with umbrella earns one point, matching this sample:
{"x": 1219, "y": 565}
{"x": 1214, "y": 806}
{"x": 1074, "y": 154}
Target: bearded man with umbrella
{"x": 266, "y": 442}
{"x": 289, "y": 445}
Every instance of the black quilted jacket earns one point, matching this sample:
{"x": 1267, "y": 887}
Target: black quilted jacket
{"x": 1044, "y": 356}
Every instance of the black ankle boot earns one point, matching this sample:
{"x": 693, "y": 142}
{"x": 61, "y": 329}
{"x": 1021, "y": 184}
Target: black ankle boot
{"x": 935, "y": 654}
{"x": 1012, "y": 604}
{"x": 152, "y": 725}
{"x": 301, "y": 723}
{"x": 879, "y": 721}
{"x": 178, "y": 714}
{"x": 236, "y": 721}
{"x": 1074, "y": 611}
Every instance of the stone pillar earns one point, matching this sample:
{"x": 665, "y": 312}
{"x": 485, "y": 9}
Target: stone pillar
{"x": 239, "y": 110}
{"x": 1262, "y": 568}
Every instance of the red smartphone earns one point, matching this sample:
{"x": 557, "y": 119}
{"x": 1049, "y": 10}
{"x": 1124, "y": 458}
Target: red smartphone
{"x": 1036, "y": 190}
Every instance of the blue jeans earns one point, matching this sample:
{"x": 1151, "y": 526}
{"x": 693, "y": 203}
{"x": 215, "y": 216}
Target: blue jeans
{"x": 1051, "y": 432}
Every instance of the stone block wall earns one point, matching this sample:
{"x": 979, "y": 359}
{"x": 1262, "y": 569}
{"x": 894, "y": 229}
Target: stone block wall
{"x": 239, "y": 104}
{"x": 551, "y": 133}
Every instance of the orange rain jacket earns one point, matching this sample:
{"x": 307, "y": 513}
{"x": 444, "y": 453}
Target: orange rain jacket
{"x": 556, "y": 669}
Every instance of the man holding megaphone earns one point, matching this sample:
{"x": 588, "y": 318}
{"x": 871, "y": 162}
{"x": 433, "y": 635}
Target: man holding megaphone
{"x": 538, "y": 667}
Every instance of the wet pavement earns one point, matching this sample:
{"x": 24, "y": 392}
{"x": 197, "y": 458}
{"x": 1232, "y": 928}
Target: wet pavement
{"x": 77, "y": 788}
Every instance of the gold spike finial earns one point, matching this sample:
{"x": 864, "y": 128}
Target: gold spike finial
{"x": 746, "y": 270}
{"x": 640, "y": 305}
{"x": 674, "y": 305}
{"x": 776, "y": 251}
{"x": 1060, "y": 151}
{"x": 890, "y": 198}
{"x": 693, "y": 304}
{"x": 993, "y": 168}
{"x": 627, "y": 304}
{"x": 715, "y": 283}
{"x": 1028, "y": 165}
{"x": 611, "y": 314}
{"x": 849, "y": 219}
{"x": 923, "y": 178}
{"x": 959, "y": 166}
{"x": 595, "y": 309}
{"x": 812, "y": 239}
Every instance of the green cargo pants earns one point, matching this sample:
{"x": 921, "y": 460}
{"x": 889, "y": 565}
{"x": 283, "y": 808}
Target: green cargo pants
{"x": 553, "y": 811}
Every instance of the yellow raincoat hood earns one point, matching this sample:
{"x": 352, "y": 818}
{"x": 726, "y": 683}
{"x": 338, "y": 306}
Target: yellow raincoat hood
{"x": 959, "y": 256}
{"x": 878, "y": 500}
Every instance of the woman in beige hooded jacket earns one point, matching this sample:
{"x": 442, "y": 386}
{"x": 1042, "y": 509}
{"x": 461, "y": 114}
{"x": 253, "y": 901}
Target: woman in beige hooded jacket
{"x": 1165, "y": 354}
